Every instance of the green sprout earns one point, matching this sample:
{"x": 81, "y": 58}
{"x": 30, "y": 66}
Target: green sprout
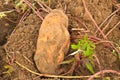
{"x": 3, "y": 14}
{"x": 87, "y": 47}
{"x": 18, "y": 4}
{"x": 9, "y": 69}
{"x": 115, "y": 53}
{"x": 84, "y": 50}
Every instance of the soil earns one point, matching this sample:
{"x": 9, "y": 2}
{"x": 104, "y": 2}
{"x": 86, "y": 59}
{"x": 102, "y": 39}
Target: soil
{"x": 18, "y": 40}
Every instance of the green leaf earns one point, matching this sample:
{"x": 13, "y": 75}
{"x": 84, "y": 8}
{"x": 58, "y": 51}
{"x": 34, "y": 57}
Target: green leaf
{"x": 18, "y": 4}
{"x": 90, "y": 68}
{"x": 92, "y": 45}
{"x": 73, "y": 46}
{"x": 9, "y": 69}
{"x": 24, "y": 7}
{"x": 44, "y": 0}
{"x": 106, "y": 78}
{"x": 84, "y": 46}
{"x": 86, "y": 37}
{"x": 2, "y": 15}
{"x": 87, "y": 47}
{"x": 68, "y": 61}
{"x": 115, "y": 53}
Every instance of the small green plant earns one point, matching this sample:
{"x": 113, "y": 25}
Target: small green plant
{"x": 9, "y": 69}
{"x": 106, "y": 78}
{"x": 84, "y": 52}
{"x": 87, "y": 47}
{"x": 116, "y": 54}
{"x": 3, "y": 14}
{"x": 19, "y": 5}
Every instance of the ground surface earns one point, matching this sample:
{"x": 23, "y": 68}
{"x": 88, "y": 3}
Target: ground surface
{"x": 19, "y": 39}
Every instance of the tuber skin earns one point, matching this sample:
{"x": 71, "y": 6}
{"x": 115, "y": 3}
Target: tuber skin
{"x": 52, "y": 43}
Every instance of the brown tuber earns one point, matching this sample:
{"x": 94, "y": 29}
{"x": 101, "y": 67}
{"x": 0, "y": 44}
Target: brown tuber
{"x": 53, "y": 42}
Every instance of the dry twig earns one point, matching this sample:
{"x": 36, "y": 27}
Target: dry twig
{"x": 112, "y": 29}
{"x": 33, "y": 8}
{"x": 93, "y": 19}
{"x": 107, "y": 25}
{"x": 107, "y": 18}
{"x": 24, "y": 16}
{"x": 52, "y": 76}
{"x": 42, "y": 6}
{"x": 104, "y": 71}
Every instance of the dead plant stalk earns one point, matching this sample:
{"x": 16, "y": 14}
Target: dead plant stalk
{"x": 84, "y": 4}
{"x": 102, "y": 72}
{"x": 52, "y": 76}
{"x": 107, "y": 18}
{"x": 33, "y": 8}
